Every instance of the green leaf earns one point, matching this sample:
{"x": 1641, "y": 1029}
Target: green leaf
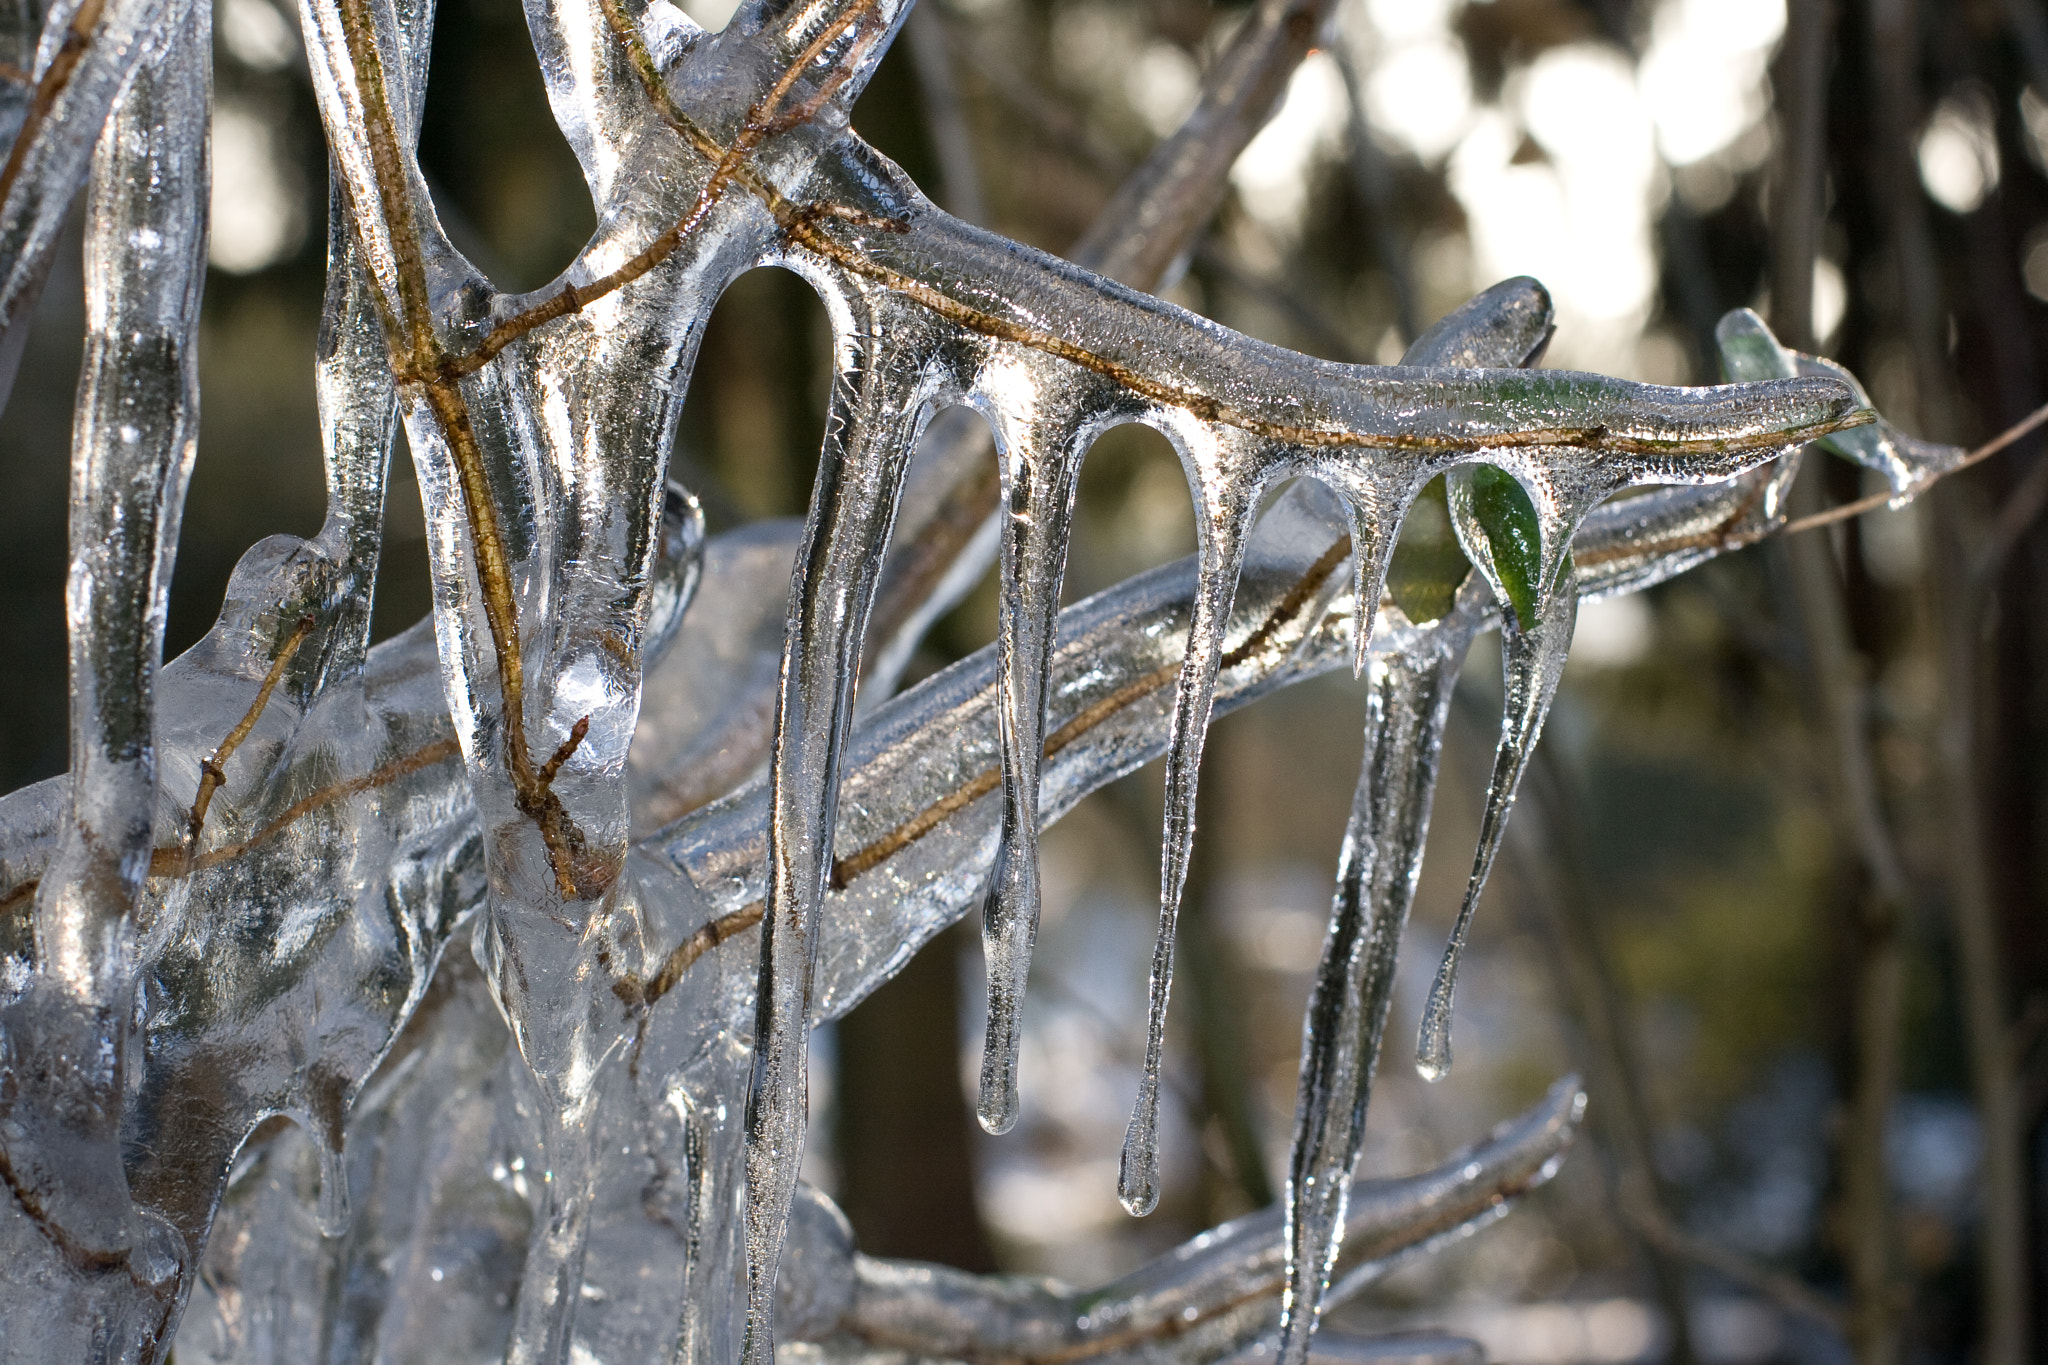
{"x": 1427, "y": 566}
{"x": 1748, "y": 350}
{"x": 1512, "y": 534}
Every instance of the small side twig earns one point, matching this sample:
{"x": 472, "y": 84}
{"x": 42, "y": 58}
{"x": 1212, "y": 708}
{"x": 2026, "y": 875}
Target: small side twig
{"x": 213, "y": 768}
{"x": 1844, "y": 511}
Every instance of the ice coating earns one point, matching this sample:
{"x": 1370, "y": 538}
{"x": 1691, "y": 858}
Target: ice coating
{"x": 1380, "y": 862}
{"x": 79, "y": 62}
{"x": 298, "y": 908}
{"x": 64, "y": 1040}
{"x": 1375, "y": 436}
{"x": 1283, "y": 631}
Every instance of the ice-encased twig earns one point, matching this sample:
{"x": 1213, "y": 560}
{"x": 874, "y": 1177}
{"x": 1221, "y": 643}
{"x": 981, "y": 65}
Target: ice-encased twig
{"x": 1171, "y": 374}
{"x": 1209, "y": 1297}
{"x": 87, "y": 50}
{"x": 1143, "y": 238}
{"x": 1376, "y": 436}
{"x": 939, "y": 553}
{"x": 540, "y": 454}
{"x": 443, "y": 882}
{"x": 69, "y": 1232}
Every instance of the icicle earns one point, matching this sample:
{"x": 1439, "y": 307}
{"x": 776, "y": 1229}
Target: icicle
{"x": 1532, "y": 660}
{"x": 1347, "y": 1009}
{"x": 1382, "y": 859}
{"x": 1375, "y": 524}
{"x": 1227, "y": 505}
{"x": 334, "y": 1201}
{"x": 1039, "y": 463}
{"x": 877, "y": 412}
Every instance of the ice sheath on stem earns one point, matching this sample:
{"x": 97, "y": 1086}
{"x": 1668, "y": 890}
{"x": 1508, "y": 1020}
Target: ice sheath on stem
{"x": 65, "y": 1041}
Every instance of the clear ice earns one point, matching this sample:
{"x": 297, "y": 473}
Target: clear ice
{"x": 247, "y": 1098}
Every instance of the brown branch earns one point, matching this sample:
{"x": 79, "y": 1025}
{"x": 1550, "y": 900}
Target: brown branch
{"x": 213, "y": 768}
{"x": 880, "y": 850}
{"x": 692, "y": 948}
{"x": 175, "y": 862}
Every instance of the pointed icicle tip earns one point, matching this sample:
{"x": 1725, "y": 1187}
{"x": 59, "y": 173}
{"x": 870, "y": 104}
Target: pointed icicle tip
{"x": 1365, "y": 607}
{"x": 1371, "y": 548}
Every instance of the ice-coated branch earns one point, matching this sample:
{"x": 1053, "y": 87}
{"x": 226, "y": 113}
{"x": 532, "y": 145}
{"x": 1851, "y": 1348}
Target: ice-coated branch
{"x": 64, "y": 1039}
{"x": 306, "y": 843}
{"x": 1208, "y": 1298}
{"x": 87, "y": 51}
{"x": 919, "y": 845}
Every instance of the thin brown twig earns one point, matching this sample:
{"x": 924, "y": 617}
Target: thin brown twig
{"x": 762, "y": 121}
{"x": 174, "y": 861}
{"x": 213, "y": 768}
{"x": 1845, "y": 511}
{"x": 418, "y": 357}
{"x": 567, "y": 751}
